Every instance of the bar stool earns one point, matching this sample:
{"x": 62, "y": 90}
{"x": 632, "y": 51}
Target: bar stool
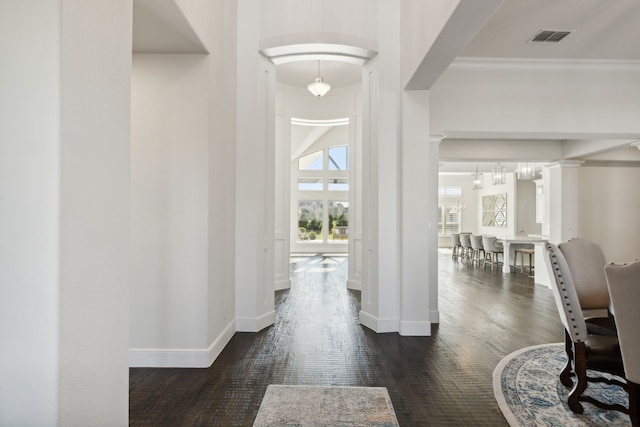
{"x": 455, "y": 245}
{"x": 522, "y": 253}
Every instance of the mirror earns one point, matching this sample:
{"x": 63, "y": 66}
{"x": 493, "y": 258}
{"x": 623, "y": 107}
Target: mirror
{"x": 494, "y": 210}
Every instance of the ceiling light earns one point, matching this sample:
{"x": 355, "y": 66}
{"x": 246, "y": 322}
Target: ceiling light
{"x": 477, "y": 180}
{"x": 526, "y": 171}
{"x": 499, "y": 174}
{"x": 318, "y": 87}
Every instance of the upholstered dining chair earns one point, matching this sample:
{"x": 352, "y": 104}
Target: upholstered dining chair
{"x": 586, "y": 261}
{"x": 491, "y": 251}
{"x": 624, "y": 288}
{"x": 595, "y": 352}
{"x": 476, "y": 248}
{"x": 456, "y": 247}
{"x": 465, "y": 241}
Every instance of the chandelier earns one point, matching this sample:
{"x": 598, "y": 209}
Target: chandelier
{"x": 526, "y": 171}
{"x": 498, "y": 174}
{"x": 457, "y": 208}
{"x": 318, "y": 87}
{"x": 477, "y": 180}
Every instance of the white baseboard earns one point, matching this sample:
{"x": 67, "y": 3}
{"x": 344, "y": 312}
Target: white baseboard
{"x": 404, "y": 328}
{"x": 181, "y": 358}
{"x": 256, "y": 324}
{"x": 355, "y": 285}
{"x": 434, "y": 316}
{"x": 281, "y": 285}
{"x": 377, "y": 325}
{"x": 415, "y": 329}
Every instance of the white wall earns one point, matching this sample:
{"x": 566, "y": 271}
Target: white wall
{"x": 490, "y": 189}
{"x": 609, "y": 210}
{"x": 335, "y": 17}
{"x": 94, "y": 205}
{"x": 526, "y": 97}
{"x": 423, "y": 23}
{"x": 221, "y": 42}
{"x": 169, "y": 203}
{"x": 469, "y": 198}
{"x": 29, "y": 212}
{"x": 183, "y": 217}
{"x": 525, "y": 208}
{"x": 64, "y": 198}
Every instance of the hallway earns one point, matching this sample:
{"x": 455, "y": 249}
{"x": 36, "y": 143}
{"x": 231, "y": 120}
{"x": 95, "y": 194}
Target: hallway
{"x": 442, "y": 380}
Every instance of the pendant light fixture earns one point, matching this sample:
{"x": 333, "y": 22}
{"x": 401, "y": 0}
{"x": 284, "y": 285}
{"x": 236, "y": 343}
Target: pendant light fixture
{"x": 477, "y": 180}
{"x": 526, "y": 171}
{"x": 319, "y": 87}
{"x": 499, "y": 174}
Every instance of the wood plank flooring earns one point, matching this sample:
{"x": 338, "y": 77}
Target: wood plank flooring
{"x": 442, "y": 380}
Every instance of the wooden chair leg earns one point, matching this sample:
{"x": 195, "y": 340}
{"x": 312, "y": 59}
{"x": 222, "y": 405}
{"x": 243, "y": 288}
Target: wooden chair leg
{"x": 580, "y": 367}
{"x": 565, "y": 375}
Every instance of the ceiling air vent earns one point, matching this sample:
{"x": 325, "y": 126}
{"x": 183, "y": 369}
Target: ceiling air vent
{"x": 549, "y": 36}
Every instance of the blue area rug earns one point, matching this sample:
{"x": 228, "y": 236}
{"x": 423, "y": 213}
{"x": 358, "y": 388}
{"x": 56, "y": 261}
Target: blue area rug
{"x": 527, "y": 387}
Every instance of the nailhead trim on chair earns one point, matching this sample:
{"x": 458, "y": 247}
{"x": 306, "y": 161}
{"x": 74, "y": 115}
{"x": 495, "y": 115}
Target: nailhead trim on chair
{"x": 558, "y": 274}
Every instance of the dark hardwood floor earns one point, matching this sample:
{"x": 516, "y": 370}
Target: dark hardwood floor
{"x": 442, "y": 380}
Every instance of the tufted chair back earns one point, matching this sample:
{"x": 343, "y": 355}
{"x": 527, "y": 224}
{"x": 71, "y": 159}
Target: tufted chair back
{"x": 586, "y": 262}
{"x": 624, "y": 287}
{"x": 565, "y": 295}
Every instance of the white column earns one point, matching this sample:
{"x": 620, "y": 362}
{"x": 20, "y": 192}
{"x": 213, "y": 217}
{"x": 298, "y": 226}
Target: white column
{"x": 433, "y": 159}
{"x": 417, "y": 215}
{"x": 255, "y": 177}
{"x": 563, "y": 200}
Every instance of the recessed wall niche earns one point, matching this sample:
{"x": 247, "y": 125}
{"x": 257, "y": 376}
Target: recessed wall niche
{"x": 494, "y": 210}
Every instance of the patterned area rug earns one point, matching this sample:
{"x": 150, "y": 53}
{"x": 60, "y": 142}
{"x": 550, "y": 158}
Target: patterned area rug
{"x": 529, "y": 393}
{"x": 287, "y": 405}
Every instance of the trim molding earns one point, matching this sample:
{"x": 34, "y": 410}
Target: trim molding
{"x": 547, "y": 64}
{"x": 280, "y": 285}
{"x": 415, "y": 329}
{"x": 256, "y": 324}
{"x": 377, "y": 325}
{"x": 181, "y": 357}
{"x": 434, "y": 316}
{"x": 355, "y": 285}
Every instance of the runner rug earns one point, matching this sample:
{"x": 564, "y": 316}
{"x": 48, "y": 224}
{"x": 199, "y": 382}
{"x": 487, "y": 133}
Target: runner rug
{"x": 289, "y": 405}
{"x": 527, "y": 387}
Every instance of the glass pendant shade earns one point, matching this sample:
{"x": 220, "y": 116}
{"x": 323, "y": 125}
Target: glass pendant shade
{"x": 526, "y": 171}
{"x": 477, "y": 180}
{"x": 498, "y": 174}
{"x": 318, "y": 87}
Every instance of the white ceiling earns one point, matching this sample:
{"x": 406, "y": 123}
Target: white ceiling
{"x": 607, "y": 30}
{"x": 602, "y": 29}
{"x": 301, "y": 73}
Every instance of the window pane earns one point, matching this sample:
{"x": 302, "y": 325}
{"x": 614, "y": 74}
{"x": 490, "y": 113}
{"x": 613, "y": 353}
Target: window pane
{"x": 310, "y": 220}
{"x": 311, "y": 162}
{"x": 310, "y": 184}
{"x": 339, "y": 158}
{"x": 450, "y": 191}
{"x": 453, "y": 191}
{"x": 341, "y": 184}
{"x": 338, "y": 220}
{"x": 448, "y": 220}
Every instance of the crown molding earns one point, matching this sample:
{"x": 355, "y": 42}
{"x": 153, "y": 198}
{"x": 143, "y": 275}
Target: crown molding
{"x": 544, "y": 64}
